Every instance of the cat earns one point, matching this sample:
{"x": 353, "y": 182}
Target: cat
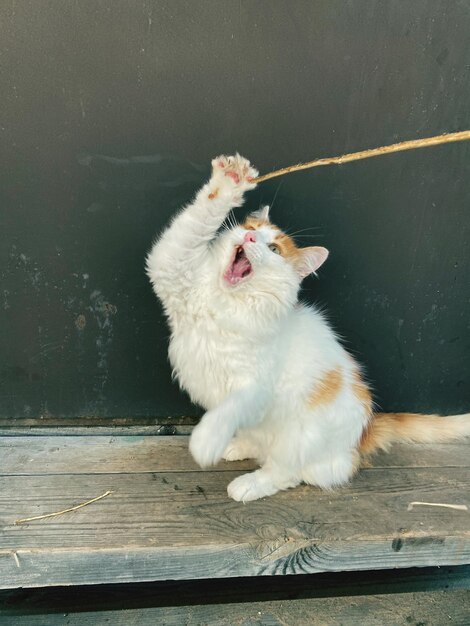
{"x": 276, "y": 383}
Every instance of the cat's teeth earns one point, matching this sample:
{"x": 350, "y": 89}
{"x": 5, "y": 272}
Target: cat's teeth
{"x": 239, "y": 267}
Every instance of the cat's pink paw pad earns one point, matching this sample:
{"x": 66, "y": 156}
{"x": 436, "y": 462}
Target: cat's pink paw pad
{"x": 233, "y": 175}
{"x": 221, "y": 162}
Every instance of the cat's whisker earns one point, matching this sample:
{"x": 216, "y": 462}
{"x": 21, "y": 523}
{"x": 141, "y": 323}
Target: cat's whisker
{"x": 270, "y": 294}
{"x": 271, "y": 206}
{"x": 302, "y": 230}
{"x": 231, "y": 220}
{"x": 313, "y": 236}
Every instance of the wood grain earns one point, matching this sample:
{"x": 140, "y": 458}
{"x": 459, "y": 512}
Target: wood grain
{"x": 166, "y": 519}
{"x": 143, "y": 453}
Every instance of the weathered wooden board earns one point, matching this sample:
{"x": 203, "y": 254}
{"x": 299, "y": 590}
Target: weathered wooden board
{"x": 87, "y": 423}
{"x": 143, "y": 453}
{"x": 192, "y": 508}
{"x": 166, "y": 519}
{"x": 162, "y": 430}
{"x": 413, "y": 609}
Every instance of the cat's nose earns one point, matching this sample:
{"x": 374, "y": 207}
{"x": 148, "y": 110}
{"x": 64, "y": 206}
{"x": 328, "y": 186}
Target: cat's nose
{"x": 250, "y": 236}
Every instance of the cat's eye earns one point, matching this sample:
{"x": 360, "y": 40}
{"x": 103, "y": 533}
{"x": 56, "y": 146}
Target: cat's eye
{"x": 274, "y": 248}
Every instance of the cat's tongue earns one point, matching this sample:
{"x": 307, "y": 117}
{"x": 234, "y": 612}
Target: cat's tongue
{"x": 238, "y": 268}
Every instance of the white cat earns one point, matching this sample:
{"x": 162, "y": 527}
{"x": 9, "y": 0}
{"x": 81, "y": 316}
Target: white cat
{"x": 275, "y": 382}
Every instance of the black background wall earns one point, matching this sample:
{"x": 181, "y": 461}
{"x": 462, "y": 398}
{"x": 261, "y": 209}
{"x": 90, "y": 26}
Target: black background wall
{"x": 110, "y": 112}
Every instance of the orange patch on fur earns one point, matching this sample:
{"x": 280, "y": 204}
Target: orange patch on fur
{"x": 287, "y": 247}
{"x": 213, "y": 194}
{"x": 252, "y": 223}
{"x": 385, "y": 428}
{"x": 328, "y": 388}
{"x": 381, "y": 431}
{"x": 361, "y": 391}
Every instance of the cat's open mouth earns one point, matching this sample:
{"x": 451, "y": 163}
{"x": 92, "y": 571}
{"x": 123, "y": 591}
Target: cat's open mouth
{"x": 239, "y": 267}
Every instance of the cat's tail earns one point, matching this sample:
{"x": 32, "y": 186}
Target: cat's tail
{"x": 387, "y": 428}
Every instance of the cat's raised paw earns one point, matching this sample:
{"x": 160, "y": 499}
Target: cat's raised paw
{"x": 236, "y": 169}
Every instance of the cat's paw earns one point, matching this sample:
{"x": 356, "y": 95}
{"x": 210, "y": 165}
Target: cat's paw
{"x": 209, "y": 440}
{"x": 251, "y": 486}
{"x": 240, "y": 449}
{"x": 232, "y": 175}
{"x": 236, "y": 168}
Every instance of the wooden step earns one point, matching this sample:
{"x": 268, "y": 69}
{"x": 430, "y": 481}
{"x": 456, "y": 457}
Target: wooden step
{"x": 168, "y": 519}
{"x": 382, "y": 598}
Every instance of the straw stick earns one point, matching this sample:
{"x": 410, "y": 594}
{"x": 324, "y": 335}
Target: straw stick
{"x": 73, "y": 508}
{"x": 413, "y": 144}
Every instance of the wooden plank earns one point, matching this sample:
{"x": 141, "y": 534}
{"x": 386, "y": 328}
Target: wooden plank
{"x": 98, "y": 454}
{"x": 374, "y": 504}
{"x": 141, "y": 453}
{"x": 24, "y": 423}
{"x": 179, "y": 525}
{"x": 163, "y": 430}
{"x": 406, "y": 608}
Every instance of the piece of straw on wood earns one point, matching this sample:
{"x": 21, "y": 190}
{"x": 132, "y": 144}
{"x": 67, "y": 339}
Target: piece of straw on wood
{"x": 413, "y": 144}
{"x": 73, "y": 508}
{"x": 457, "y": 507}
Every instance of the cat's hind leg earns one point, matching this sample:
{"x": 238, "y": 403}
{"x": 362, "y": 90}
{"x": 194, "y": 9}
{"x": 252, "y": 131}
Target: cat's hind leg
{"x": 261, "y": 483}
{"x": 241, "y": 448}
{"x": 332, "y": 472}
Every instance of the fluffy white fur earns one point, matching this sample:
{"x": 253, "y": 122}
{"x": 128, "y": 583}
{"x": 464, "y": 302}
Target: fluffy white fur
{"x": 250, "y": 353}
{"x": 275, "y": 382}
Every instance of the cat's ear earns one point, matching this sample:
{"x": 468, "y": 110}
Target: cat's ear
{"x": 310, "y": 259}
{"x": 262, "y": 213}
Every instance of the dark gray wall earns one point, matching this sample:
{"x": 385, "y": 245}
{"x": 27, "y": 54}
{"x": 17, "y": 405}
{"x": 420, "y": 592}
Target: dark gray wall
{"x": 110, "y": 112}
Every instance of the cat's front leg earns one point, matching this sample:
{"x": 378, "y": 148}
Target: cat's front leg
{"x": 241, "y": 409}
{"x": 263, "y": 482}
{"x": 210, "y": 438}
{"x": 175, "y": 261}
